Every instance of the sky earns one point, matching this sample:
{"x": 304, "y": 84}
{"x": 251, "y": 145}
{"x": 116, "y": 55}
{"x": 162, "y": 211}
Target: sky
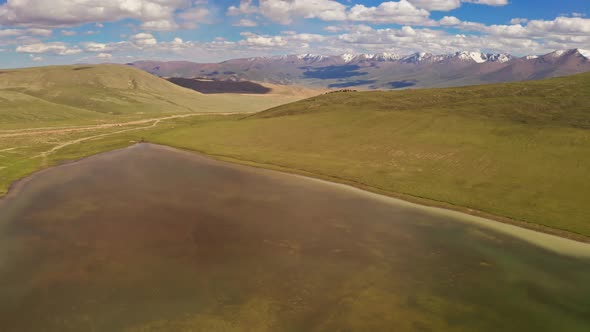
{"x": 47, "y": 32}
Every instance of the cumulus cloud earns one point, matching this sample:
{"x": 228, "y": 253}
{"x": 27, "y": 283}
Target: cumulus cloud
{"x": 488, "y": 2}
{"x": 25, "y": 32}
{"x": 143, "y": 39}
{"x": 439, "y": 5}
{"x": 245, "y": 23}
{"x": 283, "y": 11}
{"x": 154, "y": 14}
{"x": 402, "y": 12}
{"x": 95, "y": 47}
{"x": 55, "y": 48}
{"x": 446, "y": 5}
{"x": 262, "y": 41}
{"x": 191, "y": 18}
{"x": 246, "y": 7}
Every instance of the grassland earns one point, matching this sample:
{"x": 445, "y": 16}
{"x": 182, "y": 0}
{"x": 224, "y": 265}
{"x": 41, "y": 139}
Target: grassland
{"x": 512, "y": 150}
{"x": 517, "y": 151}
{"x": 45, "y": 110}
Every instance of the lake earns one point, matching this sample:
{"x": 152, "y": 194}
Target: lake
{"x": 149, "y": 238}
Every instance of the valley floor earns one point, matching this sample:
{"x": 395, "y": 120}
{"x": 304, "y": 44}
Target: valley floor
{"x": 397, "y": 162}
{"x": 516, "y": 152}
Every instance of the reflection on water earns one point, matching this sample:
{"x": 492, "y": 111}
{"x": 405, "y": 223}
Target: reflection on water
{"x": 152, "y": 239}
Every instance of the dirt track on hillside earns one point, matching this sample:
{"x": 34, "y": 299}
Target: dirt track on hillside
{"x": 61, "y": 130}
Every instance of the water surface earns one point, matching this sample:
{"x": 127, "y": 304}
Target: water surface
{"x": 153, "y": 239}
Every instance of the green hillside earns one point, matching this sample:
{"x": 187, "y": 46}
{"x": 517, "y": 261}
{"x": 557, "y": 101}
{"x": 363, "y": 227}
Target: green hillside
{"x": 69, "y": 95}
{"x": 515, "y": 150}
{"x": 45, "y": 110}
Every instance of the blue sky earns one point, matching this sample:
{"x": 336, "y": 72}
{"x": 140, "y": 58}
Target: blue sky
{"x": 42, "y": 32}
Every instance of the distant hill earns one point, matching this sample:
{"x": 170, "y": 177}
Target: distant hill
{"x": 101, "y": 89}
{"x": 381, "y": 71}
{"x": 82, "y": 93}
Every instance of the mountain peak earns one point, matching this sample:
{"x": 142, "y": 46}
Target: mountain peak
{"x": 575, "y": 51}
{"x": 311, "y": 57}
{"x": 347, "y": 57}
{"x": 469, "y": 56}
{"x": 417, "y": 57}
{"x": 560, "y": 53}
{"x": 584, "y": 53}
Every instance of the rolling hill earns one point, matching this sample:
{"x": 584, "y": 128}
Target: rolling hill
{"x": 381, "y": 71}
{"x": 515, "y": 150}
{"x": 48, "y": 110}
{"x": 68, "y": 95}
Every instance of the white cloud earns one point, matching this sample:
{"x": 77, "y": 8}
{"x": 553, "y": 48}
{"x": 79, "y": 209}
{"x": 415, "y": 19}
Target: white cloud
{"x": 193, "y": 17}
{"x": 159, "y": 25}
{"x": 154, "y": 14}
{"x": 488, "y": 2}
{"x": 246, "y": 7}
{"x": 402, "y": 12}
{"x": 245, "y": 23}
{"x": 284, "y": 11}
{"x": 104, "y": 56}
{"x": 519, "y": 20}
{"x": 55, "y": 48}
{"x": 39, "y": 32}
{"x": 25, "y": 32}
{"x": 95, "y": 47}
{"x": 565, "y": 25}
{"x": 68, "y": 33}
{"x": 446, "y": 5}
{"x": 143, "y": 39}
{"x": 262, "y": 41}
{"x": 439, "y": 5}
{"x": 11, "y": 32}
{"x": 449, "y": 21}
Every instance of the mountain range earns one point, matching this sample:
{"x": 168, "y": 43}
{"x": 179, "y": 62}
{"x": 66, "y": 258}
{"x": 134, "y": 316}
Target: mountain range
{"x": 380, "y": 71}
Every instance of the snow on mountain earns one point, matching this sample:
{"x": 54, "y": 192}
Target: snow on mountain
{"x": 558, "y": 53}
{"x": 501, "y": 58}
{"x": 468, "y": 56}
{"x": 347, "y": 57}
{"x": 386, "y": 57}
{"x": 417, "y": 57}
{"x": 422, "y": 57}
{"x": 311, "y": 57}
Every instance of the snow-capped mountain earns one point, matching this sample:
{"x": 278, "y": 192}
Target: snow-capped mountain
{"x": 383, "y": 70}
{"x": 423, "y": 57}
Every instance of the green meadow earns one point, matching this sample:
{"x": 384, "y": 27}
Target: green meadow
{"x": 517, "y": 151}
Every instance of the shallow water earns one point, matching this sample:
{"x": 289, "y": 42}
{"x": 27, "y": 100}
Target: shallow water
{"x": 153, "y": 239}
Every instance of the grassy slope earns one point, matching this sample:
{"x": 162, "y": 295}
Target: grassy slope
{"x": 66, "y": 96}
{"x": 516, "y": 150}
{"x": 71, "y": 95}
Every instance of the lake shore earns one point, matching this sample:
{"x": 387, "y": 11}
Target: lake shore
{"x": 558, "y": 241}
